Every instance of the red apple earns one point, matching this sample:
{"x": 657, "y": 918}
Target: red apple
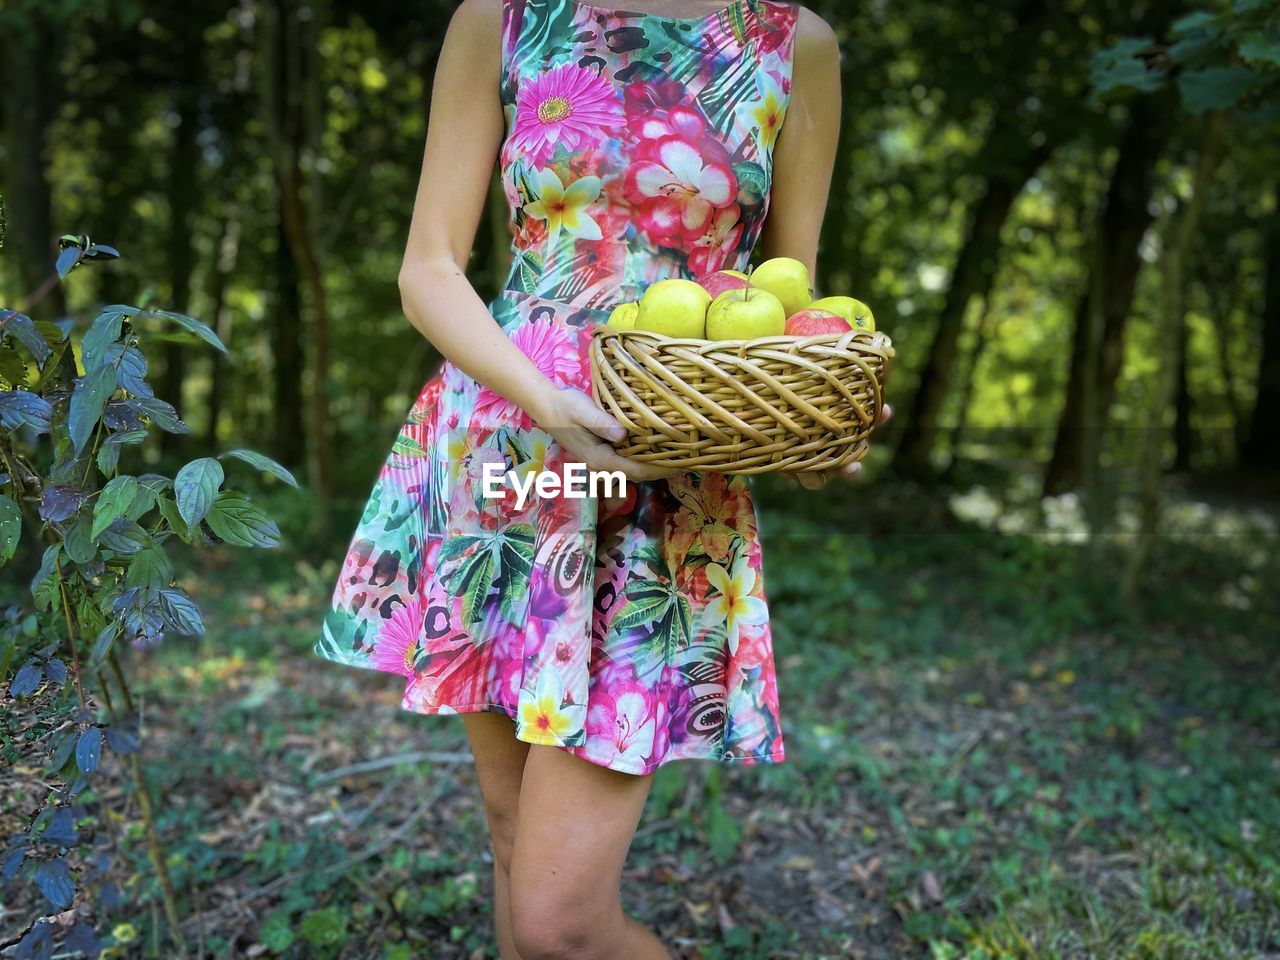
{"x": 809, "y": 323}
{"x": 718, "y": 281}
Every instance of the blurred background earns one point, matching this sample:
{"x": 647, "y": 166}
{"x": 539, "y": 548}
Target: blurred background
{"x": 1028, "y": 664}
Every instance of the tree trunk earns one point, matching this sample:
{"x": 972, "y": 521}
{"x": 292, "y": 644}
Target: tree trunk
{"x": 982, "y": 337}
{"x": 1182, "y": 235}
{"x": 29, "y": 64}
{"x": 974, "y": 272}
{"x": 225, "y": 257}
{"x": 1260, "y": 450}
{"x": 183, "y": 197}
{"x": 1118, "y": 237}
{"x": 1183, "y": 436}
{"x": 290, "y": 68}
{"x": 286, "y": 350}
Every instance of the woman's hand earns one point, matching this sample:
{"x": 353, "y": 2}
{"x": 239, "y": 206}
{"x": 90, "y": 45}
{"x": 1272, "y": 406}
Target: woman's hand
{"x": 582, "y": 429}
{"x": 817, "y": 479}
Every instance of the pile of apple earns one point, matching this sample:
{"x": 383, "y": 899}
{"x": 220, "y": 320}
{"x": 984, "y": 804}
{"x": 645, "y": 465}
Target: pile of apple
{"x": 775, "y": 300}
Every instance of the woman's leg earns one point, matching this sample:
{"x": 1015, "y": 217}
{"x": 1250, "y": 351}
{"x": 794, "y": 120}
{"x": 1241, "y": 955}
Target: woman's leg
{"x": 573, "y": 830}
{"x": 500, "y": 760}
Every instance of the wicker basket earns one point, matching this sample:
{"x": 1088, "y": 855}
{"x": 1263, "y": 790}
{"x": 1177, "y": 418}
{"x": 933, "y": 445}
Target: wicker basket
{"x": 784, "y": 404}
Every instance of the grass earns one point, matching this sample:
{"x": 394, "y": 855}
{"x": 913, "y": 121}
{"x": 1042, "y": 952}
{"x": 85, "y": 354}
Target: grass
{"x": 989, "y": 756}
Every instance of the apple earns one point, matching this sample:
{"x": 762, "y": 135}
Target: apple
{"x": 718, "y": 281}
{"x": 855, "y": 311}
{"x": 675, "y": 308}
{"x": 810, "y": 322}
{"x": 745, "y": 314}
{"x": 623, "y": 316}
{"x": 787, "y": 279}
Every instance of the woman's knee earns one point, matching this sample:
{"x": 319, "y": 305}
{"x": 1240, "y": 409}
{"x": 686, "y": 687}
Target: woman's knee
{"x": 544, "y": 929}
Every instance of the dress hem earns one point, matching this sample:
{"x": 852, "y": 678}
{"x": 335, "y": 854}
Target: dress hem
{"x": 746, "y": 760}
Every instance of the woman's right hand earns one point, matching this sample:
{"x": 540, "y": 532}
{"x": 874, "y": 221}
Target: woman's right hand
{"x": 584, "y": 431}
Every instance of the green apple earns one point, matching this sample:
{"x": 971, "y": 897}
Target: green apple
{"x": 623, "y": 316}
{"x": 745, "y": 314}
{"x": 855, "y": 311}
{"x": 674, "y": 308}
{"x": 787, "y": 279}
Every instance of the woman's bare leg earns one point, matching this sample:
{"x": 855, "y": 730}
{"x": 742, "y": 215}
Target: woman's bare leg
{"x": 573, "y": 829}
{"x": 500, "y": 760}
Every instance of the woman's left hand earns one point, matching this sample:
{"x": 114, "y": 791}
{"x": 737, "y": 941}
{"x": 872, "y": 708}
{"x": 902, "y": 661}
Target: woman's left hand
{"x": 817, "y": 479}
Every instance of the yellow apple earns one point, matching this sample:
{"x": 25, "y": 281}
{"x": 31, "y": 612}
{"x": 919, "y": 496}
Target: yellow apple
{"x": 787, "y": 279}
{"x": 623, "y": 316}
{"x": 855, "y": 311}
{"x": 674, "y": 308}
{"x": 745, "y": 314}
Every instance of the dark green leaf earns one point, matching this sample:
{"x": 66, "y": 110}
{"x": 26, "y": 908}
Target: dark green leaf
{"x": 13, "y": 369}
{"x": 59, "y": 502}
{"x": 131, "y": 368}
{"x": 67, "y": 259}
{"x": 160, "y": 413}
{"x": 123, "y": 536}
{"x": 1214, "y": 87}
{"x": 181, "y": 612}
{"x": 18, "y": 407}
{"x": 1121, "y": 68}
{"x": 20, "y": 327}
{"x": 149, "y": 568}
{"x": 61, "y": 830}
{"x": 189, "y": 323}
{"x": 87, "y": 400}
{"x": 88, "y": 749}
{"x": 122, "y": 737}
{"x": 53, "y": 878}
{"x": 195, "y": 487}
{"x": 27, "y": 679}
{"x": 264, "y": 463}
{"x": 108, "y": 459}
{"x": 78, "y": 541}
{"x": 10, "y": 527}
{"x": 112, "y": 503}
{"x": 238, "y": 521}
{"x": 1257, "y": 47}
{"x": 44, "y": 583}
{"x": 102, "y": 642}
{"x": 169, "y": 510}
{"x": 105, "y": 331}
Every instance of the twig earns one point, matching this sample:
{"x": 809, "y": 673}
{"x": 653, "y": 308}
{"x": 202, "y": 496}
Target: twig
{"x": 395, "y": 760}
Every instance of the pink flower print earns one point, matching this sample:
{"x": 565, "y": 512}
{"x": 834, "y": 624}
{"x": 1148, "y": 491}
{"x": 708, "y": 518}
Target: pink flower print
{"x": 549, "y": 346}
{"x": 677, "y": 190}
{"x": 717, "y": 242}
{"x": 568, "y": 104}
{"x": 398, "y": 640}
{"x": 623, "y": 718}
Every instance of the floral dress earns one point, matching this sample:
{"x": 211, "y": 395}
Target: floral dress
{"x": 630, "y": 630}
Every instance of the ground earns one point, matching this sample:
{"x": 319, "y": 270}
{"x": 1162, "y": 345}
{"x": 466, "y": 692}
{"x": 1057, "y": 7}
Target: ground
{"x": 989, "y": 755}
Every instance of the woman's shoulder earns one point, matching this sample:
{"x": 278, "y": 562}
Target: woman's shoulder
{"x": 478, "y": 15}
{"x": 812, "y": 29}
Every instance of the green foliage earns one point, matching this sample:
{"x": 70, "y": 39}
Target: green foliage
{"x": 104, "y": 575}
{"x": 1224, "y": 56}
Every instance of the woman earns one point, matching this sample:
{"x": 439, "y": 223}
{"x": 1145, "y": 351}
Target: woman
{"x": 584, "y": 642}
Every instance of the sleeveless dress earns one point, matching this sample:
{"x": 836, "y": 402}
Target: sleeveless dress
{"x": 628, "y": 630}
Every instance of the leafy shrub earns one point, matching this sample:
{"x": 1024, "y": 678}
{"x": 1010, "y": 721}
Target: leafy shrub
{"x": 104, "y": 577}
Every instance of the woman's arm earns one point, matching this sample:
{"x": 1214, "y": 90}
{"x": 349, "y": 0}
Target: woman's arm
{"x": 464, "y": 134}
{"x": 803, "y": 159}
{"x": 805, "y": 152}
